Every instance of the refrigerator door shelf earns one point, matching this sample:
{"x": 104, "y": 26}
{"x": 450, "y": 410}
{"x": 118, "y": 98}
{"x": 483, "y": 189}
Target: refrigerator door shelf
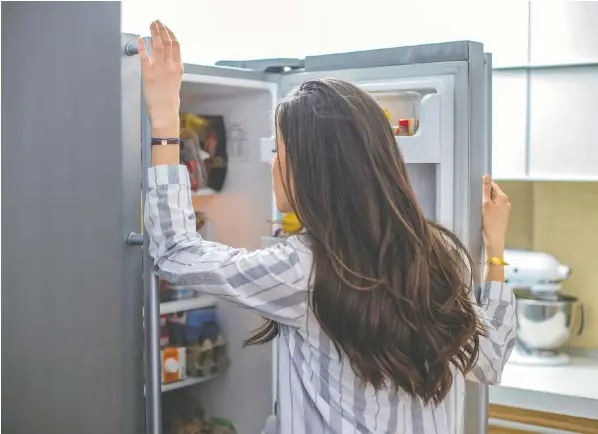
{"x": 428, "y": 99}
{"x": 434, "y": 109}
{"x": 423, "y": 147}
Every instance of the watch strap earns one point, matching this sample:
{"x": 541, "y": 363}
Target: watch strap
{"x": 164, "y": 141}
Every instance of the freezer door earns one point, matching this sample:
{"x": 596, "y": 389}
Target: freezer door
{"x": 447, "y": 88}
{"x": 71, "y": 300}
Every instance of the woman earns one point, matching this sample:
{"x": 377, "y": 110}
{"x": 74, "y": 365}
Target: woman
{"x": 372, "y": 303}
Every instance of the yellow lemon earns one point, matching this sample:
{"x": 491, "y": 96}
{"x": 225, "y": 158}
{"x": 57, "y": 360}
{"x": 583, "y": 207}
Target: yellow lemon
{"x": 290, "y": 224}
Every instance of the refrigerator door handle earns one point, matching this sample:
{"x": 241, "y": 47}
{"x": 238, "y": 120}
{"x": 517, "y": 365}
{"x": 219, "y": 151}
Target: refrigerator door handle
{"x": 135, "y": 239}
{"x": 131, "y": 49}
{"x": 151, "y": 302}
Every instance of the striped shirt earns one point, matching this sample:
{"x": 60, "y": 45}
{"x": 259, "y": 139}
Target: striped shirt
{"x": 317, "y": 392}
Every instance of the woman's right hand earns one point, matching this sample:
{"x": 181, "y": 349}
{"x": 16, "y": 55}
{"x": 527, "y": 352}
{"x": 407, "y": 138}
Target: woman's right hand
{"x": 162, "y": 74}
{"x": 495, "y": 217}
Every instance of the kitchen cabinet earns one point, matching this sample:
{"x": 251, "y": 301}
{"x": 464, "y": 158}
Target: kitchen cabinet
{"x": 509, "y": 126}
{"x": 543, "y": 123}
{"x": 562, "y": 123}
{"x": 563, "y": 32}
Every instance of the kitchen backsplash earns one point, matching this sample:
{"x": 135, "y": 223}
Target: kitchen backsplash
{"x": 561, "y": 218}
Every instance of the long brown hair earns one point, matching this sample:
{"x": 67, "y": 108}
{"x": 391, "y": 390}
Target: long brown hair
{"x": 390, "y": 288}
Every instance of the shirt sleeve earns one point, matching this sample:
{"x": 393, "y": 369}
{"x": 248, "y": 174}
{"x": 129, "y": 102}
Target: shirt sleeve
{"x": 266, "y": 281}
{"x": 496, "y": 310}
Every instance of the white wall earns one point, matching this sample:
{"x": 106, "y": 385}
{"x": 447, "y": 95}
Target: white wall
{"x": 215, "y": 29}
{"x": 563, "y": 32}
{"x": 210, "y": 30}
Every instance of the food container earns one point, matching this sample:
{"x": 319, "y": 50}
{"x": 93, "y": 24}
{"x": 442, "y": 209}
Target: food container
{"x": 164, "y": 332}
{"x": 173, "y": 361}
{"x": 193, "y": 326}
{"x": 179, "y": 292}
{"x": 387, "y": 114}
{"x": 290, "y": 223}
{"x": 206, "y": 358}
{"x": 408, "y": 127}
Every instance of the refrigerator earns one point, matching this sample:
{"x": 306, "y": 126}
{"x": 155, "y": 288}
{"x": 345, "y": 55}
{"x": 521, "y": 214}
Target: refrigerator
{"x": 80, "y": 332}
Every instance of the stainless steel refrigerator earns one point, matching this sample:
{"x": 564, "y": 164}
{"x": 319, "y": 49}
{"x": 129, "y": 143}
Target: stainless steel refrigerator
{"x": 74, "y": 144}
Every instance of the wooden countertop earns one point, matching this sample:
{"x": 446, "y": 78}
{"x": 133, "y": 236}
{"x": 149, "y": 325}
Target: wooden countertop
{"x": 541, "y": 419}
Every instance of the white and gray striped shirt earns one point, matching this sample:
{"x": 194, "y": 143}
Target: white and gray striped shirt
{"x": 317, "y": 392}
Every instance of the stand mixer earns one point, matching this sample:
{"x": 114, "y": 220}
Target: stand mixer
{"x": 545, "y": 317}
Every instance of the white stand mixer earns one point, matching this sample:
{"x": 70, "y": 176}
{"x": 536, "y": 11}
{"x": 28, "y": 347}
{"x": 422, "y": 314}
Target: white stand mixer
{"x": 544, "y": 316}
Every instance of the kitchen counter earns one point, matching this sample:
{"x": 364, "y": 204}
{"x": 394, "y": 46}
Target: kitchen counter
{"x": 569, "y": 389}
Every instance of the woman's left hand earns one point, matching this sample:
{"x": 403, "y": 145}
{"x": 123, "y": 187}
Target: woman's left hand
{"x": 162, "y": 74}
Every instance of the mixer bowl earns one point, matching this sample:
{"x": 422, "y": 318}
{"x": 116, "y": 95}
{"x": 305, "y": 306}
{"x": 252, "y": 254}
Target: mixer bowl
{"x": 544, "y": 324}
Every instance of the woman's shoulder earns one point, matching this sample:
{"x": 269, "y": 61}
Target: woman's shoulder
{"x": 301, "y": 245}
{"x": 300, "y": 241}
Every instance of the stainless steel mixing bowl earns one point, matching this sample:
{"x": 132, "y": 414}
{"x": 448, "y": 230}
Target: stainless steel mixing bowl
{"x": 545, "y": 323}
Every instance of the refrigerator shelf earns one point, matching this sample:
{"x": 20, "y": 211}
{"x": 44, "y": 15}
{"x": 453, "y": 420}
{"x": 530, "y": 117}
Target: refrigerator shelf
{"x": 198, "y": 85}
{"x": 200, "y": 302}
{"x": 190, "y": 381}
{"x": 203, "y": 192}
